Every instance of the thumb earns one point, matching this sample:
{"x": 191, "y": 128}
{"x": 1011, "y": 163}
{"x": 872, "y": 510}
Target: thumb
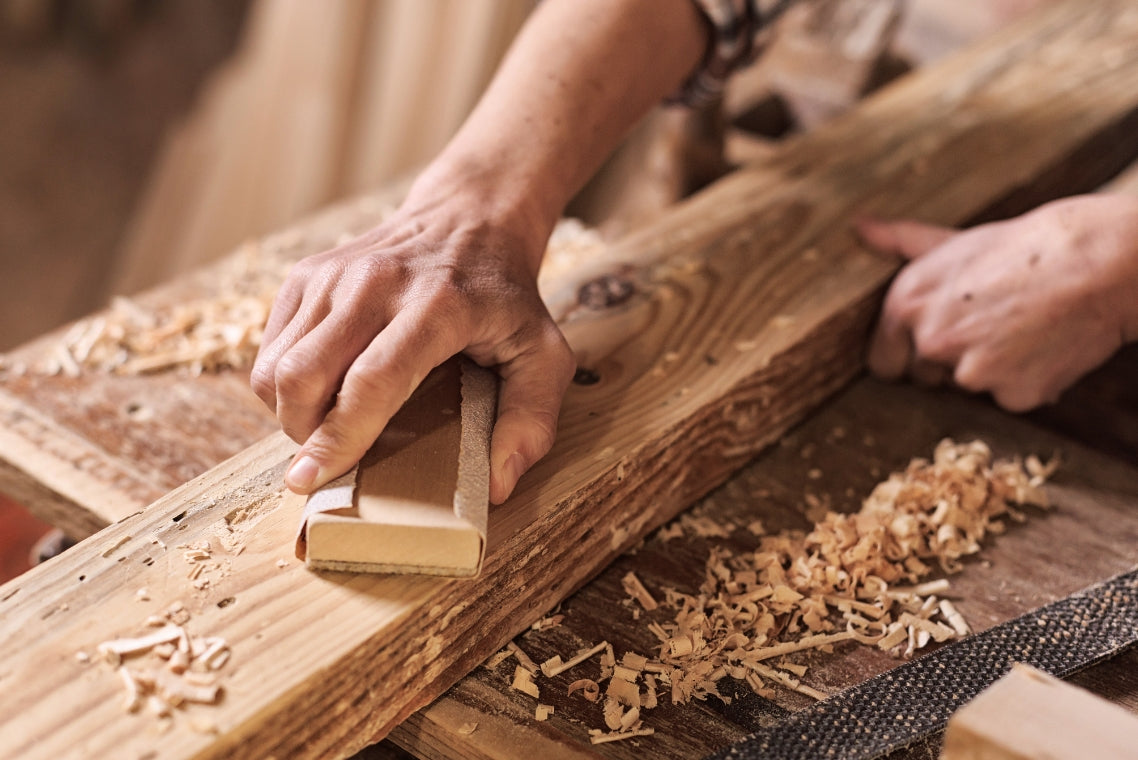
{"x": 529, "y": 401}
{"x": 903, "y": 237}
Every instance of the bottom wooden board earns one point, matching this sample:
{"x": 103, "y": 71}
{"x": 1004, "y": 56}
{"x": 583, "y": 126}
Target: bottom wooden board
{"x": 839, "y": 454}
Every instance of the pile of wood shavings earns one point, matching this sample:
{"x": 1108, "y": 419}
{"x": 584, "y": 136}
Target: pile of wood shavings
{"x": 166, "y": 668}
{"x": 808, "y": 591}
{"x": 854, "y": 577}
{"x": 220, "y": 331}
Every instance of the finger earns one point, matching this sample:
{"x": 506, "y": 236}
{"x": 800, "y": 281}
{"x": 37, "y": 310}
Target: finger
{"x": 285, "y": 306}
{"x": 378, "y": 382}
{"x": 891, "y": 348}
{"x": 529, "y": 401}
{"x": 906, "y": 238}
{"x": 263, "y": 377}
{"x": 309, "y": 375}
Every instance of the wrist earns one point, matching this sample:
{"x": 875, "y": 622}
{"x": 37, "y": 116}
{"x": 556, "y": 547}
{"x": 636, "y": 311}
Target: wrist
{"x": 488, "y": 192}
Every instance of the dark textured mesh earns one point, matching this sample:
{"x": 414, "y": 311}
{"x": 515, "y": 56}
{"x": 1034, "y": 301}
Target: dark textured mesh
{"x": 916, "y": 699}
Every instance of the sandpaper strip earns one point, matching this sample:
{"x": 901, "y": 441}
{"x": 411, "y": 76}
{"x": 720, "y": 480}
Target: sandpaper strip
{"x": 418, "y": 501}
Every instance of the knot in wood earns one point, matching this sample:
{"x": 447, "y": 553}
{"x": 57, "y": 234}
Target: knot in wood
{"x": 605, "y": 291}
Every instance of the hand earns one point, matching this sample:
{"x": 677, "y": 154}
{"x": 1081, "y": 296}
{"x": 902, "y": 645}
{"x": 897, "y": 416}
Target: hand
{"x": 1021, "y": 308}
{"x": 353, "y": 331}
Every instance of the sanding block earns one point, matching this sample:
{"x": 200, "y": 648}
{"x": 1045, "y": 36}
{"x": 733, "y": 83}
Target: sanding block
{"x": 418, "y": 500}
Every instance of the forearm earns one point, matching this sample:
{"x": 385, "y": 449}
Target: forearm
{"x": 578, "y": 77}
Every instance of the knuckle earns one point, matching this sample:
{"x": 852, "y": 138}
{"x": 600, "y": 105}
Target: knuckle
{"x": 378, "y": 269}
{"x": 262, "y": 381}
{"x": 298, "y": 379}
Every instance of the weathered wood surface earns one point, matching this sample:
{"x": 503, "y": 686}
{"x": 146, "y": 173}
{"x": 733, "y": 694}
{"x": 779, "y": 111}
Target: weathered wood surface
{"x": 1070, "y": 111}
{"x": 854, "y": 441}
{"x": 747, "y": 307}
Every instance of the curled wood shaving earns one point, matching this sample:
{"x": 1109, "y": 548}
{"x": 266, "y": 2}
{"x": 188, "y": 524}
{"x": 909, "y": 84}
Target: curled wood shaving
{"x": 855, "y": 577}
{"x": 589, "y": 689}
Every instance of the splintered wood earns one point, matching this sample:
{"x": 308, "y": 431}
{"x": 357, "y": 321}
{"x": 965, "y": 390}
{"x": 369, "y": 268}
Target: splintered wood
{"x": 166, "y": 668}
{"x": 858, "y": 577}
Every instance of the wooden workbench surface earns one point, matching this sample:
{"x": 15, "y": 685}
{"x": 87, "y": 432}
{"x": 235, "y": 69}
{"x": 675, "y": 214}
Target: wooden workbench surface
{"x": 840, "y": 453}
{"x": 73, "y": 442}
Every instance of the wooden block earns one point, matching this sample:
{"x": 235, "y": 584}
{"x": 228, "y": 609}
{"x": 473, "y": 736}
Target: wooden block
{"x": 418, "y": 501}
{"x": 701, "y": 340}
{"x": 1029, "y": 715}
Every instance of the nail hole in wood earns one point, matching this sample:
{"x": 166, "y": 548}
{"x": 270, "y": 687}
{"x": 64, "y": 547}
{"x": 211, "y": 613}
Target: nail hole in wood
{"x": 585, "y": 377}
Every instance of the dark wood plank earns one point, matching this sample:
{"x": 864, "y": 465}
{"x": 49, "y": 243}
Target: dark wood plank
{"x": 865, "y": 433}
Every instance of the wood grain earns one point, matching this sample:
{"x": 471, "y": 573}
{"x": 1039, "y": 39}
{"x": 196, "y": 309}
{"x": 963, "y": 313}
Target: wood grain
{"x": 744, "y": 309}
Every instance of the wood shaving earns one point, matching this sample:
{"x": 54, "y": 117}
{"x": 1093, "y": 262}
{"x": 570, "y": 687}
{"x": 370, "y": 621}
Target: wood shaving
{"x": 523, "y": 682}
{"x": 551, "y": 621}
{"x": 634, "y": 588}
{"x": 497, "y": 659}
{"x": 602, "y": 738}
{"x": 859, "y": 578}
{"x": 522, "y": 658}
{"x": 589, "y": 689}
{"x": 551, "y": 668}
{"x": 183, "y": 677}
{"x": 542, "y": 712}
{"x": 855, "y": 577}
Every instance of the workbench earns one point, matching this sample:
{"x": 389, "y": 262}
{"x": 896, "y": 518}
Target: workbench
{"x": 95, "y": 449}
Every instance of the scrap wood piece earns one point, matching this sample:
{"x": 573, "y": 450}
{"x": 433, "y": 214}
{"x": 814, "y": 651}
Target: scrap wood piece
{"x": 699, "y": 277}
{"x": 1029, "y": 714}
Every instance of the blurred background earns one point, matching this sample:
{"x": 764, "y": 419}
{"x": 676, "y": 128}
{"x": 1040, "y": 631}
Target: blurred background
{"x": 142, "y": 138}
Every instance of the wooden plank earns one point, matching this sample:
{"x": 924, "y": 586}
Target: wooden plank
{"x": 906, "y": 136}
{"x": 836, "y": 456}
{"x": 747, "y": 307}
{"x": 1029, "y": 714}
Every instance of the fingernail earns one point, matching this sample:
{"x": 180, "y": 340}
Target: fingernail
{"x": 302, "y": 474}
